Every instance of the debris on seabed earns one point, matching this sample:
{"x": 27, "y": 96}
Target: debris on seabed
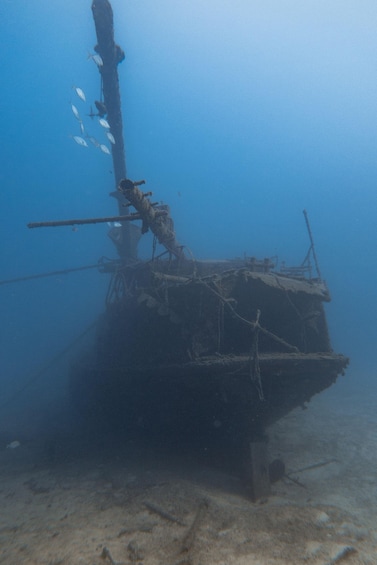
{"x": 163, "y": 513}
{"x": 188, "y": 540}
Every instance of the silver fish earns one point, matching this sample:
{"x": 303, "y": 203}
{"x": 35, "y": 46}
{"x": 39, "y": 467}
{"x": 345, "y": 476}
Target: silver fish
{"x": 104, "y": 123}
{"x": 80, "y": 141}
{"x": 110, "y": 137}
{"x": 104, "y": 149}
{"x": 75, "y": 112}
{"x": 96, "y": 58}
{"x": 94, "y": 141}
{"x": 82, "y": 128}
{"x": 80, "y": 93}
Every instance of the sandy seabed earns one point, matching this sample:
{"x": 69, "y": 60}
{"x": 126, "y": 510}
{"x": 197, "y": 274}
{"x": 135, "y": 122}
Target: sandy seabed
{"x": 77, "y": 503}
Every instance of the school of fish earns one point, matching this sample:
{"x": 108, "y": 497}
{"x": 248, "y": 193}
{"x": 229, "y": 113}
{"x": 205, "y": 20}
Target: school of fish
{"x": 84, "y": 135}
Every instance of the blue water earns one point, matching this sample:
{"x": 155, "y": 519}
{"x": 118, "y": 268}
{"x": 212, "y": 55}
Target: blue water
{"x": 238, "y": 114}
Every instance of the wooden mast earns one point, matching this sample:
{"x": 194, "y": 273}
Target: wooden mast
{"x": 111, "y": 55}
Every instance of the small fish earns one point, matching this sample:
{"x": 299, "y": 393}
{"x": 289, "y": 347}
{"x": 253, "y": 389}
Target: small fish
{"x": 13, "y": 444}
{"x": 110, "y": 137}
{"x": 80, "y": 141}
{"x": 94, "y": 141}
{"x": 104, "y": 149}
{"x": 80, "y": 93}
{"x": 114, "y": 224}
{"x": 75, "y": 112}
{"x": 96, "y": 58}
{"x": 82, "y": 128}
{"x": 104, "y": 123}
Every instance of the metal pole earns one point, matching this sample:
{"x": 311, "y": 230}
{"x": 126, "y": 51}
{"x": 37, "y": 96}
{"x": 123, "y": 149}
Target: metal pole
{"x": 312, "y": 244}
{"x": 111, "y": 55}
{"x": 83, "y": 221}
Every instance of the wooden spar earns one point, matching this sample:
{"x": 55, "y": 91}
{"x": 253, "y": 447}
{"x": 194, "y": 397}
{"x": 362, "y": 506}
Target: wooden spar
{"x": 162, "y": 228}
{"x": 80, "y": 222}
{"x": 111, "y": 55}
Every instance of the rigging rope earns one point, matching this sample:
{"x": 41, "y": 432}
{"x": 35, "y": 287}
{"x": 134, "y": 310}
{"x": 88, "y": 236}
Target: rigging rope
{"x": 38, "y": 374}
{"x": 49, "y": 274}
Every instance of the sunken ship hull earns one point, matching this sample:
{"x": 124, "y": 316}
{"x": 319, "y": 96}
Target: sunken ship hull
{"x": 206, "y": 354}
{"x": 202, "y": 354}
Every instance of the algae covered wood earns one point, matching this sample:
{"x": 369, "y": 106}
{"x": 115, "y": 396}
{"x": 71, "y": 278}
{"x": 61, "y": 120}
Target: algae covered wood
{"x": 161, "y": 226}
{"x": 111, "y": 55}
{"x": 201, "y": 354}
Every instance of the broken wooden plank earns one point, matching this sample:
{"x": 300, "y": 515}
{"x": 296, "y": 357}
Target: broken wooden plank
{"x": 189, "y": 538}
{"x": 163, "y": 513}
{"x": 256, "y": 472}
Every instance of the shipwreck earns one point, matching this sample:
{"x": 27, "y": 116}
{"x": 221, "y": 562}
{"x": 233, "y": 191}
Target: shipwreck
{"x": 197, "y": 354}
